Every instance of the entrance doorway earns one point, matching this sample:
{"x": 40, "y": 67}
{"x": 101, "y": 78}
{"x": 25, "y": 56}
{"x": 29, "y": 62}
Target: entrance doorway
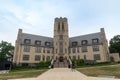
{"x": 61, "y": 58}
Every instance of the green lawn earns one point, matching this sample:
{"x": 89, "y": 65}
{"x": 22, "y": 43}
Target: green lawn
{"x": 22, "y": 74}
{"x": 109, "y": 70}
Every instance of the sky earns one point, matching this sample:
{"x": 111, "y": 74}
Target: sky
{"x": 37, "y": 17}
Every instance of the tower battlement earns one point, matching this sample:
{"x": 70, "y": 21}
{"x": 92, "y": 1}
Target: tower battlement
{"x": 60, "y": 19}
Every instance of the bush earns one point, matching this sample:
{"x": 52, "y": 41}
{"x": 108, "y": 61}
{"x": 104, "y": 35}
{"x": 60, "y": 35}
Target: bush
{"x": 43, "y": 64}
{"x": 79, "y": 62}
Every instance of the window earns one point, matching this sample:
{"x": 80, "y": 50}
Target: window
{"x": 43, "y": 50}
{"x": 56, "y": 50}
{"x": 78, "y": 50}
{"x": 61, "y": 37}
{"x": 25, "y": 57}
{"x": 47, "y": 43}
{"x": 37, "y": 57}
{"x": 96, "y": 56}
{"x": 61, "y": 49}
{"x": 85, "y": 57}
{"x": 69, "y": 50}
{"x": 62, "y": 26}
{"x": 84, "y": 49}
{"x": 59, "y": 26}
{"x": 95, "y": 41}
{"x": 95, "y": 48}
{"x": 26, "y": 48}
{"x": 61, "y": 43}
{"x": 78, "y": 57}
{"x": 48, "y": 50}
{"x": 65, "y": 50}
{"x": 48, "y": 58}
{"x": 43, "y": 58}
{"x": 38, "y": 42}
{"x": 38, "y": 49}
{"x": 84, "y": 42}
{"x": 27, "y": 41}
{"x": 74, "y": 57}
{"x": 74, "y": 50}
{"x": 74, "y": 44}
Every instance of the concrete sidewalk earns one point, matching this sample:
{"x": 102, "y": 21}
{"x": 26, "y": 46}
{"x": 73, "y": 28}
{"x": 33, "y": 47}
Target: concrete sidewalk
{"x": 64, "y": 74}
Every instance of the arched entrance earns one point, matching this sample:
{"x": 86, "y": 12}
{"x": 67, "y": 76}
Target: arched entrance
{"x": 61, "y": 59}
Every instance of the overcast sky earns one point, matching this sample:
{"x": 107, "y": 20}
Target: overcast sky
{"x": 37, "y": 17}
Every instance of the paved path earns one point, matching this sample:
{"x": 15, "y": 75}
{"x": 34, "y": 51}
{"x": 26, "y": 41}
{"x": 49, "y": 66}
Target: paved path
{"x": 64, "y": 74}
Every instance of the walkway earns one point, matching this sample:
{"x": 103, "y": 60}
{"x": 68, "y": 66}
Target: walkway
{"x": 64, "y": 74}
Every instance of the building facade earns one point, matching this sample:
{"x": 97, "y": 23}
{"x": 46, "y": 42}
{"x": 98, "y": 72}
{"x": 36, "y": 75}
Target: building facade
{"x": 31, "y": 49}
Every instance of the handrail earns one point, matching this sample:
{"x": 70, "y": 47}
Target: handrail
{"x": 70, "y": 62}
{"x": 52, "y": 63}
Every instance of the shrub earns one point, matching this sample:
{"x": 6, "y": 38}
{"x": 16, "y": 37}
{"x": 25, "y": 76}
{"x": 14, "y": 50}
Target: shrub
{"x": 79, "y": 62}
{"x": 43, "y": 64}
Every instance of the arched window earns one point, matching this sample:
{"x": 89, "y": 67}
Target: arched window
{"x": 62, "y": 26}
{"x": 59, "y": 26}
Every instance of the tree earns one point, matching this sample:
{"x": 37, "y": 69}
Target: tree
{"x": 115, "y": 44}
{"x": 6, "y": 51}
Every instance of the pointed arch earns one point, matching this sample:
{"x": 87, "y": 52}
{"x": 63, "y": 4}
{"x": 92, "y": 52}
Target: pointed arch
{"x": 62, "y": 26}
{"x": 59, "y": 26}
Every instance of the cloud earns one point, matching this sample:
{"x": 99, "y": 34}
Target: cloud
{"x": 37, "y": 16}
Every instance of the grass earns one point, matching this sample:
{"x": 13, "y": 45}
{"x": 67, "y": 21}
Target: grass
{"x": 97, "y": 64}
{"x": 109, "y": 70}
{"x": 22, "y": 73}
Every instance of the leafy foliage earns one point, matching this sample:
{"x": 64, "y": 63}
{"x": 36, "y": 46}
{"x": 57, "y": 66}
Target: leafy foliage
{"x": 79, "y": 62}
{"x": 115, "y": 44}
{"x": 6, "y": 51}
{"x": 43, "y": 64}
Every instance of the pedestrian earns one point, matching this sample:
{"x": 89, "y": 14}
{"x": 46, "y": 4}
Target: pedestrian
{"x": 73, "y": 67}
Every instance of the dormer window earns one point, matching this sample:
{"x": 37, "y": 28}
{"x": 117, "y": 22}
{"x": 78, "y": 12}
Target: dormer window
{"x": 74, "y": 44}
{"x": 95, "y": 41}
{"x": 27, "y": 41}
{"x": 47, "y": 43}
{"x": 84, "y": 42}
{"x": 38, "y": 42}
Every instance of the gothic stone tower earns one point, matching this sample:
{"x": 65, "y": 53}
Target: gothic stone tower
{"x": 61, "y": 38}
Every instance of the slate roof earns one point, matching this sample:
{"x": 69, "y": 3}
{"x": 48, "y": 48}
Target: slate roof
{"x": 78, "y": 39}
{"x": 87, "y": 37}
{"x": 33, "y": 38}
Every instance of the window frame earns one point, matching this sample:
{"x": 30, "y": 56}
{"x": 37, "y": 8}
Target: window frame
{"x": 46, "y": 44}
{"x": 95, "y": 41}
{"x": 37, "y": 41}
{"x": 37, "y": 57}
{"x": 27, "y": 41}
{"x": 84, "y": 42}
{"x": 26, "y": 57}
{"x": 26, "y": 48}
{"x": 74, "y": 44}
{"x": 84, "y": 49}
{"x": 95, "y": 48}
{"x": 97, "y": 57}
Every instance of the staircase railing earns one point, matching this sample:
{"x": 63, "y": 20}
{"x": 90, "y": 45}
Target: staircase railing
{"x": 52, "y": 63}
{"x": 70, "y": 63}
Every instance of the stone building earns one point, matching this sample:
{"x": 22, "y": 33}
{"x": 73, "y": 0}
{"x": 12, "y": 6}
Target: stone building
{"x": 31, "y": 49}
